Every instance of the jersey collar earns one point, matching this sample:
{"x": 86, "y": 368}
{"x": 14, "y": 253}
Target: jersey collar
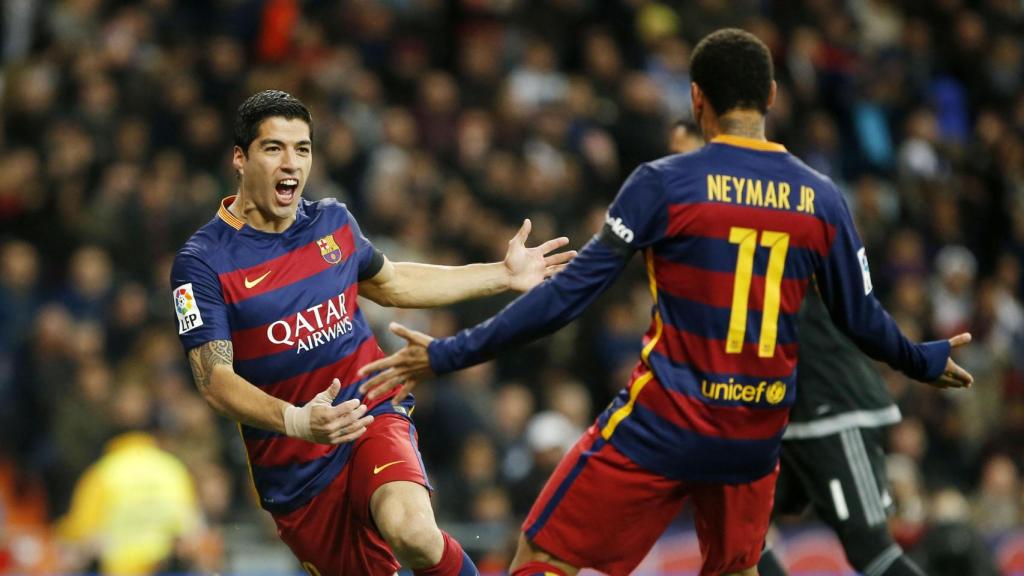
{"x": 226, "y": 214}
{"x": 237, "y": 223}
{"x": 751, "y": 143}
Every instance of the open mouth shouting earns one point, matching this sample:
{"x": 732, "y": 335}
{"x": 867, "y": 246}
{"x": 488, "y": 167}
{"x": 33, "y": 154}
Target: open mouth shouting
{"x": 286, "y": 191}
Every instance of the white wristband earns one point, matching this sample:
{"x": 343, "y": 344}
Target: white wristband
{"x": 296, "y": 422}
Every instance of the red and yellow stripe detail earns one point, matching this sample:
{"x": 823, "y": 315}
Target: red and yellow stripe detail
{"x": 638, "y": 384}
{"x": 226, "y": 214}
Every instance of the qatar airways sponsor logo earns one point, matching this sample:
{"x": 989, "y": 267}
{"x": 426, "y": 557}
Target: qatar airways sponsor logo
{"x": 313, "y": 326}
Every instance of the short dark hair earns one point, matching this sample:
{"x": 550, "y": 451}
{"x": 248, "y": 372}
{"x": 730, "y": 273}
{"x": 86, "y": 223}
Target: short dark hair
{"x": 733, "y": 69}
{"x": 263, "y": 105}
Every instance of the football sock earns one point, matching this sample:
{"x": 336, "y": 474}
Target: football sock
{"x": 903, "y": 566}
{"x": 537, "y": 569}
{"x": 890, "y": 562}
{"x": 454, "y": 561}
{"x": 769, "y": 564}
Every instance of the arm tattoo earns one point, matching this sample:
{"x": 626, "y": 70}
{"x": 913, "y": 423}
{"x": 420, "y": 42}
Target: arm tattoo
{"x": 204, "y": 358}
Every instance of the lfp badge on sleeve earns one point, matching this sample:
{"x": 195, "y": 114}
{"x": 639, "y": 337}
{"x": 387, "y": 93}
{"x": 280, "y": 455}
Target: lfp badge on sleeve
{"x": 864, "y": 270}
{"x": 187, "y": 309}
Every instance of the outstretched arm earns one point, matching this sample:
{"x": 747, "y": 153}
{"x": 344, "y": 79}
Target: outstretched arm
{"x": 540, "y": 311}
{"x": 637, "y": 219}
{"x": 846, "y": 287}
{"x": 413, "y": 285}
{"x": 238, "y": 399}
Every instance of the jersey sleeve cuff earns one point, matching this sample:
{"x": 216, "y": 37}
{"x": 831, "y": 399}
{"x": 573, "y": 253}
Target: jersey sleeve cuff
{"x": 440, "y": 356}
{"x": 935, "y": 354}
{"x": 373, "y": 266}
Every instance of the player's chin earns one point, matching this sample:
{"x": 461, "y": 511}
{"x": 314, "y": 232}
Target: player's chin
{"x": 285, "y": 211}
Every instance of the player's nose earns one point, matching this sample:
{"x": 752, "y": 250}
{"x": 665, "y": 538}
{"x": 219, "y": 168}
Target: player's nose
{"x": 289, "y": 160}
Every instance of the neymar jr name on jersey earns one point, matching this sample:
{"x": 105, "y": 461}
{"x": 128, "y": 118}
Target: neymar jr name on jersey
{"x": 758, "y": 193}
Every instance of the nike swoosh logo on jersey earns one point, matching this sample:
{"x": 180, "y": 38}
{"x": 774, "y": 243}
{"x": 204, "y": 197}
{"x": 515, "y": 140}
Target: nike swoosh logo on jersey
{"x": 379, "y": 469}
{"x": 252, "y": 283}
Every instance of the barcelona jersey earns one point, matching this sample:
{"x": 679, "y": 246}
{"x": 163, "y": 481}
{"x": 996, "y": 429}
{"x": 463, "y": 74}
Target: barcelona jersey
{"x": 288, "y": 303}
{"x": 731, "y": 236}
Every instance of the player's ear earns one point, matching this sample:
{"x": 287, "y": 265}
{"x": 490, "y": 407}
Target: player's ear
{"x": 771, "y": 94}
{"x": 697, "y": 104}
{"x": 696, "y": 98}
{"x": 237, "y": 159}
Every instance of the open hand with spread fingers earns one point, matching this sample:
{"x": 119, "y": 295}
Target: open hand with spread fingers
{"x": 954, "y": 376}
{"x": 528, "y": 267}
{"x": 404, "y": 368}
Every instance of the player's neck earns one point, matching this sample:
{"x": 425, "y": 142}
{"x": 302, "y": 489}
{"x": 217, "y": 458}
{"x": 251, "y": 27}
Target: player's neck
{"x": 743, "y": 123}
{"x": 247, "y": 211}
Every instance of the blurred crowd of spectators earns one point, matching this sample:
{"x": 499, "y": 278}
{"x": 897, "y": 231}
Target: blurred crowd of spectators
{"x": 443, "y": 123}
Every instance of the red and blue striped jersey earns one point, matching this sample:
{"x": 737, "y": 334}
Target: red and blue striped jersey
{"x": 288, "y": 304}
{"x": 732, "y": 235}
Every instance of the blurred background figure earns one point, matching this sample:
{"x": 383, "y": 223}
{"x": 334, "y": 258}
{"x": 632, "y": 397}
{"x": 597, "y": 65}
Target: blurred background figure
{"x": 135, "y": 510}
{"x": 951, "y": 545}
{"x": 684, "y": 137}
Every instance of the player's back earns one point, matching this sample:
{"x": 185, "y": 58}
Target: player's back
{"x": 734, "y": 235}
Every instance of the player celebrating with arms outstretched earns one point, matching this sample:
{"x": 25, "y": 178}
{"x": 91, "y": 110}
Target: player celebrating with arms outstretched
{"x": 266, "y": 301}
{"x": 731, "y": 235}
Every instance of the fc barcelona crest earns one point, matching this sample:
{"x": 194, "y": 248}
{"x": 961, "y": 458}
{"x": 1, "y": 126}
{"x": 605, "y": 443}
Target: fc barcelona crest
{"x": 329, "y": 249}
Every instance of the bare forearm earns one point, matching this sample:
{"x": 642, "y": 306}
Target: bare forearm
{"x": 236, "y": 398}
{"x": 230, "y": 394}
{"x": 425, "y": 285}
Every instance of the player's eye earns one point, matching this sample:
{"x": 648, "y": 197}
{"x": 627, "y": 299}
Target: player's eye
{"x": 304, "y": 150}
